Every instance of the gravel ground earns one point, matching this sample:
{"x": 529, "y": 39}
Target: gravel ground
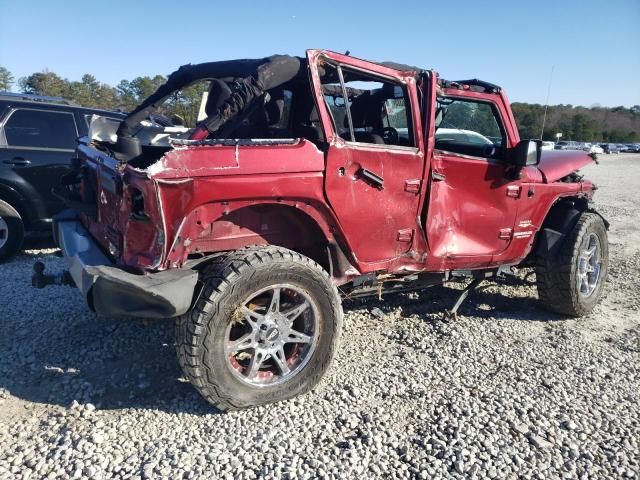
{"x": 507, "y": 391}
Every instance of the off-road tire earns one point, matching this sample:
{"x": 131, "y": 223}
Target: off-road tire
{"x": 556, "y": 278}
{"x": 14, "y": 232}
{"x": 226, "y": 281}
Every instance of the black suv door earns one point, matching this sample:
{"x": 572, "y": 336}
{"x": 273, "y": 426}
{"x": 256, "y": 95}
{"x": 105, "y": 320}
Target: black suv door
{"x": 36, "y": 146}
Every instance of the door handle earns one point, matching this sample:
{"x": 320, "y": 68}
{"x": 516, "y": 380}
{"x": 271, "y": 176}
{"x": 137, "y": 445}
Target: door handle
{"x": 370, "y": 177}
{"x": 17, "y": 161}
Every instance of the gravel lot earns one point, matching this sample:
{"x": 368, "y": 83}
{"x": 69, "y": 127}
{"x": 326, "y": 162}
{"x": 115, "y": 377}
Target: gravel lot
{"x": 507, "y": 391}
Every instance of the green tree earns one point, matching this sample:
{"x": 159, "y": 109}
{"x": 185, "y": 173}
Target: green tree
{"x": 44, "y": 83}
{"x": 584, "y": 128}
{"x": 6, "y": 79}
{"x": 133, "y": 92}
{"x": 91, "y": 93}
{"x": 186, "y": 102}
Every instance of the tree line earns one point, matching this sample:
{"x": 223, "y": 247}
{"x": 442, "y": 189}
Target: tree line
{"x": 594, "y": 124}
{"x": 89, "y": 92}
{"x": 599, "y": 124}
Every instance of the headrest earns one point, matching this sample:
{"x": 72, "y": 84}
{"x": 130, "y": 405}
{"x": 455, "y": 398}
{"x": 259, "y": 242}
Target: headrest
{"x": 219, "y": 92}
{"x": 366, "y": 111}
{"x": 275, "y": 107}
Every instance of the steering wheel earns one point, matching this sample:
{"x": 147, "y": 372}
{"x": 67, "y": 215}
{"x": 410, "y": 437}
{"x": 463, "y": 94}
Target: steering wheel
{"x": 390, "y": 135}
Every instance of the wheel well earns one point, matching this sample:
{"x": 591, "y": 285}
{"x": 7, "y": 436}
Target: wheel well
{"x": 266, "y": 224}
{"x": 14, "y": 199}
{"x": 560, "y": 220}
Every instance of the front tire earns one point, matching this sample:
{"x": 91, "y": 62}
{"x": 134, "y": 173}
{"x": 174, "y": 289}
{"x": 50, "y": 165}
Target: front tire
{"x": 264, "y": 329}
{"x": 572, "y": 282}
{"x": 11, "y": 231}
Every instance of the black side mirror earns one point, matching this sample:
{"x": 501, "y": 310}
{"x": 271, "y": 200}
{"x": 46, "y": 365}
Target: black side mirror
{"x": 527, "y": 152}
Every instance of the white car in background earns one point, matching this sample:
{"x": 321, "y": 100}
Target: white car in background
{"x": 596, "y": 149}
{"x": 462, "y": 136}
{"x": 548, "y": 145}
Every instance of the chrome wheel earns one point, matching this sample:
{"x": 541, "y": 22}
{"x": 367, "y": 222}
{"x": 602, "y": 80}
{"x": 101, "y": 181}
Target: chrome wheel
{"x": 272, "y": 336}
{"x": 4, "y": 232}
{"x": 589, "y": 265}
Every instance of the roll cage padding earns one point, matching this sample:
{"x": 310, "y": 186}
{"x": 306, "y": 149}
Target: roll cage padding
{"x": 254, "y": 77}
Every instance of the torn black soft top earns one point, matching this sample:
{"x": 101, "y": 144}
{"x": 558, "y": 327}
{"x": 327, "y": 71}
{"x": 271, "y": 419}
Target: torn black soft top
{"x": 265, "y": 74}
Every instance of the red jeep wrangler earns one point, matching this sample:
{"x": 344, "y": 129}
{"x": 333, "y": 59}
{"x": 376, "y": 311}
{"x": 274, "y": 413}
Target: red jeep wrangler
{"x": 311, "y": 179}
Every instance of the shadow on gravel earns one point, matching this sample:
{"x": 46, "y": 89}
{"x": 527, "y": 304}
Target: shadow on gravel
{"x": 111, "y": 363}
{"x": 37, "y": 242}
{"x": 59, "y": 352}
{"x": 487, "y": 301}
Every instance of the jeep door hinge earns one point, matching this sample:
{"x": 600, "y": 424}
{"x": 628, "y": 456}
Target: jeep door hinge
{"x": 505, "y": 233}
{"x": 412, "y": 186}
{"x": 437, "y": 176}
{"x": 405, "y": 235}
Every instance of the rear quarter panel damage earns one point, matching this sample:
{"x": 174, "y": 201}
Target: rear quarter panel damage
{"x": 209, "y": 198}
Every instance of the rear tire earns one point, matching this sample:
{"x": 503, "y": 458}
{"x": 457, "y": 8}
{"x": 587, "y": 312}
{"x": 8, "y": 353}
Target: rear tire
{"x": 11, "y": 231}
{"x": 572, "y": 282}
{"x": 243, "y": 344}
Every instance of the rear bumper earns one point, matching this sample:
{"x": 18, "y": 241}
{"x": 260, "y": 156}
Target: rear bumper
{"x": 110, "y": 290}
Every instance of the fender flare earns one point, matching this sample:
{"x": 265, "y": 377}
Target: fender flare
{"x": 559, "y": 222}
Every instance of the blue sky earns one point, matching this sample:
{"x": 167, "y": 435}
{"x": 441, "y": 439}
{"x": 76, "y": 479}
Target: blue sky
{"x": 594, "y": 44}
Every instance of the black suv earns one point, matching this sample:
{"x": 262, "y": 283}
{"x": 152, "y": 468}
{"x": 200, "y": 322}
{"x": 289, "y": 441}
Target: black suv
{"x": 37, "y": 141}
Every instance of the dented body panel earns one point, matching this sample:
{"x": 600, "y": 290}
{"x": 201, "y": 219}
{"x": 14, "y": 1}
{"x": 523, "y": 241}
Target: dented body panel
{"x": 556, "y": 164}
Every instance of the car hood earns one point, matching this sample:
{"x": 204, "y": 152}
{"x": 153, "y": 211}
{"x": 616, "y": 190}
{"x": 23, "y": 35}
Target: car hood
{"x": 555, "y": 164}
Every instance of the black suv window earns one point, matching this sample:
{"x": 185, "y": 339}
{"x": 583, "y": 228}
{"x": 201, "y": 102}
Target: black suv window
{"x": 469, "y": 127}
{"x": 41, "y": 129}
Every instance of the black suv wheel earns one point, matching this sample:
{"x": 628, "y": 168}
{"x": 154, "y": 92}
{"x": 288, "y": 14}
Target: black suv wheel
{"x": 11, "y": 231}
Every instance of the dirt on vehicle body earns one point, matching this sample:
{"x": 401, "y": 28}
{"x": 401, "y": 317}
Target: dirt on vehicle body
{"x": 311, "y": 179}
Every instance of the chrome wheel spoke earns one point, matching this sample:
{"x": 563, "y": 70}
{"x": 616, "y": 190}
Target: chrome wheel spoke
{"x": 295, "y": 312}
{"x": 297, "y": 337}
{"x": 243, "y": 343}
{"x": 256, "y": 362}
{"x": 252, "y": 317}
{"x": 584, "y": 283}
{"x": 281, "y": 361}
{"x": 274, "y": 306}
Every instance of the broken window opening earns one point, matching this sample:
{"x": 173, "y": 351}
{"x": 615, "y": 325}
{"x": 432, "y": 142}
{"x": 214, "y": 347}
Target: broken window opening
{"x": 366, "y": 108}
{"x": 469, "y": 127}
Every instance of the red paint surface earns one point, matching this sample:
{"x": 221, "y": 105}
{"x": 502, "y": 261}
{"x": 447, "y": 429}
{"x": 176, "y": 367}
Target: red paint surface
{"x": 556, "y": 164}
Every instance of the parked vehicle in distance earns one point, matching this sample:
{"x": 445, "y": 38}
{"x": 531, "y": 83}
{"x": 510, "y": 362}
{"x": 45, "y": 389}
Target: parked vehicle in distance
{"x": 310, "y": 180}
{"x": 595, "y": 148}
{"x": 610, "y": 148}
{"x": 623, "y": 148}
{"x": 633, "y": 148}
{"x": 568, "y": 145}
{"x": 37, "y": 142}
{"x": 548, "y": 145}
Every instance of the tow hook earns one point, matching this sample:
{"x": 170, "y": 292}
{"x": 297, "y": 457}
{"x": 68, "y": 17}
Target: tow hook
{"x": 40, "y": 280}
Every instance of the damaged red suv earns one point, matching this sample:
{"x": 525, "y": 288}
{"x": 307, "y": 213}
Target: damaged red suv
{"x": 309, "y": 180}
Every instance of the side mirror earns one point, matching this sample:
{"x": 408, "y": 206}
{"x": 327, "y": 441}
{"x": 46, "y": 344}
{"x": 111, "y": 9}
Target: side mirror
{"x": 527, "y": 152}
